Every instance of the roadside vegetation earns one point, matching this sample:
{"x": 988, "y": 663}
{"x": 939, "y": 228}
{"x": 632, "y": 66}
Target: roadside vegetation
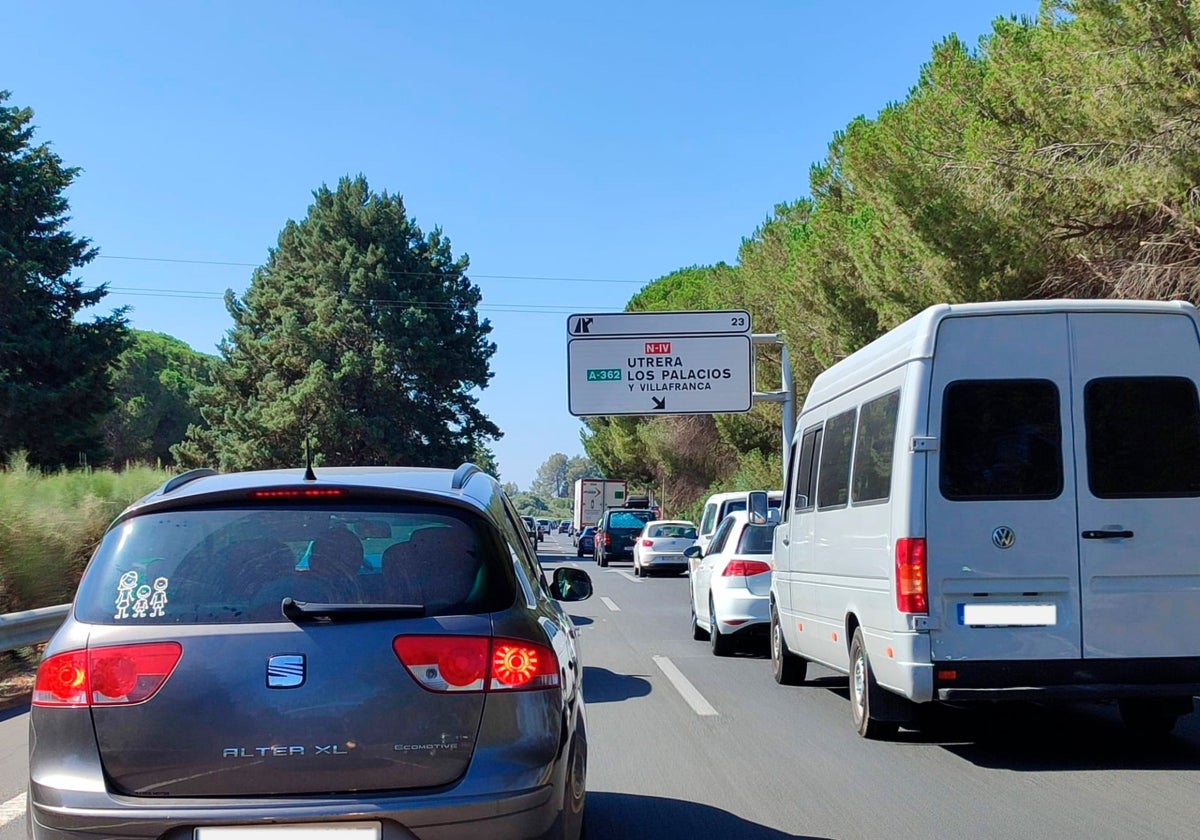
{"x": 51, "y": 522}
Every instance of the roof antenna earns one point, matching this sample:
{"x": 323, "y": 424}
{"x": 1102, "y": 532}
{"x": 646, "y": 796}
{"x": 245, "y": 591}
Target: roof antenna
{"x": 309, "y": 475}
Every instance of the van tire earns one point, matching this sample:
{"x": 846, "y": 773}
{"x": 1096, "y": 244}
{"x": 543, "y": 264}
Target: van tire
{"x": 863, "y": 690}
{"x": 1150, "y": 717}
{"x": 786, "y": 667}
{"x": 721, "y": 644}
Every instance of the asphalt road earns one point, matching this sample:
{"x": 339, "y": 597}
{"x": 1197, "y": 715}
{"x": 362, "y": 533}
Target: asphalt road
{"x": 686, "y": 745}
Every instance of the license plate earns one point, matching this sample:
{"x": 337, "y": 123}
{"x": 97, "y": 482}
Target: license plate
{"x": 293, "y": 831}
{"x": 1007, "y": 615}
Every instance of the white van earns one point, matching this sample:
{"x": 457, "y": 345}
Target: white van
{"x": 720, "y": 505}
{"x": 1000, "y": 501}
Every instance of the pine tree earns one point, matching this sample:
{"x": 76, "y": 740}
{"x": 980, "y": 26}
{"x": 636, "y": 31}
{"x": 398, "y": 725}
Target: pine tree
{"x": 54, "y": 369}
{"x": 359, "y": 334}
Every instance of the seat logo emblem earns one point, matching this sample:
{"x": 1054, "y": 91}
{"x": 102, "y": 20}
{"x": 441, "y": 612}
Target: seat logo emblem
{"x": 1004, "y": 537}
{"x": 285, "y": 670}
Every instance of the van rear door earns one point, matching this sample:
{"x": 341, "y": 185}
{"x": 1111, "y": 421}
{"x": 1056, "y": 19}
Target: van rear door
{"x": 1135, "y": 395}
{"x": 1001, "y": 529}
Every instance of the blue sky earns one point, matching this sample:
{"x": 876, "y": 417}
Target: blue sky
{"x": 606, "y": 143}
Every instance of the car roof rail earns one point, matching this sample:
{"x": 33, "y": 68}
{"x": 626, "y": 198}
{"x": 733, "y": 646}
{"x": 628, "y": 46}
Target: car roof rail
{"x": 178, "y": 481}
{"x": 462, "y": 475}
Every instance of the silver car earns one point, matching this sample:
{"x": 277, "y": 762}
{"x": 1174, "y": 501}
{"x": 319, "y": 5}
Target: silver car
{"x": 374, "y": 653}
{"x": 660, "y": 546}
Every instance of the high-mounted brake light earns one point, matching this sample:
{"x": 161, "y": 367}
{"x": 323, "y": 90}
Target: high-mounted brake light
{"x": 447, "y": 664}
{"x": 301, "y": 493}
{"x": 912, "y": 591}
{"x": 745, "y": 568}
{"x": 105, "y": 676}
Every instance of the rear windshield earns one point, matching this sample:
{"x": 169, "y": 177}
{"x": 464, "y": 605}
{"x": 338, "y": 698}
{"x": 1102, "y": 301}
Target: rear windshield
{"x": 629, "y": 519}
{"x": 756, "y": 539}
{"x": 222, "y": 565}
{"x": 686, "y": 532}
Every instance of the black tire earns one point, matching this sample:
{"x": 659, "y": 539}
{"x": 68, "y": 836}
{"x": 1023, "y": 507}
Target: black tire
{"x": 862, "y": 689}
{"x": 1150, "y": 717}
{"x": 698, "y": 632}
{"x": 601, "y": 559}
{"x": 579, "y": 552}
{"x": 786, "y": 667}
{"x": 721, "y": 644}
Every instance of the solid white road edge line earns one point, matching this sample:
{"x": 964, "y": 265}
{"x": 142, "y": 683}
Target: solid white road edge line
{"x": 608, "y": 602}
{"x": 685, "y": 688}
{"x": 12, "y": 809}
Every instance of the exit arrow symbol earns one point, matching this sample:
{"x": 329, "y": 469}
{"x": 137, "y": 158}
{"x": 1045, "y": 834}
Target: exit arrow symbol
{"x": 659, "y": 405}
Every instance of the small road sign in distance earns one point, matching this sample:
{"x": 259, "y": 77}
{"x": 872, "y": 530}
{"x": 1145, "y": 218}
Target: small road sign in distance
{"x": 658, "y": 324}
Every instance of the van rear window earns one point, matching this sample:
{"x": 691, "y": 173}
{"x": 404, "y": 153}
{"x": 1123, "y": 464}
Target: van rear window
{"x": 1143, "y": 437}
{"x": 1001, "y": 439}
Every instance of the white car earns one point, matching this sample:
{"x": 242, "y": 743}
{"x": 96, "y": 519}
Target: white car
{"x": 731, "y": 583}
{"x": 660, "y": 546}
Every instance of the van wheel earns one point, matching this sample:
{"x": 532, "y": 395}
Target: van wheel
{"x": 862, "y": 689}
{"x": 602, "y": 560}
{"x": 788, "y": 668}
{"x": 1150, "y": 717}
{"x": 721, "y": 644}
{"x": 698, "y": 633}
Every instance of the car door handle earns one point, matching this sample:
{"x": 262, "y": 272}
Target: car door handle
{"x": 1107, "y": 535}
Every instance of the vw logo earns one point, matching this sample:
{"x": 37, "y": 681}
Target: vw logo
{"x": 285, "y": 670}
{"x": 1004, "y": 537}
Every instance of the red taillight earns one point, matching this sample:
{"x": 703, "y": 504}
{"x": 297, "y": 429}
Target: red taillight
{"x": 607, "y": 539}
{"x": 647, "y": 543}
{"x": 745, "y": 568}
{"x": 105, "y": 676}
{"x": 911, "y": 589}
{"x": 300, "y": 493}
{"x": 476, "y": 663}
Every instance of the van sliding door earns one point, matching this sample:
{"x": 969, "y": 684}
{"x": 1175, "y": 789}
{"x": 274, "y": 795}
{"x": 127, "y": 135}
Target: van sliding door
{"x": 1135, "y": 396}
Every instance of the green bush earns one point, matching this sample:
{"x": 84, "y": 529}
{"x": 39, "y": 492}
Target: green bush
{"x": 51, "y": 523}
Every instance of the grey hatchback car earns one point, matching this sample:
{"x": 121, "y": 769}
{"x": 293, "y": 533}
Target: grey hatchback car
{"x": 360, "y": 653}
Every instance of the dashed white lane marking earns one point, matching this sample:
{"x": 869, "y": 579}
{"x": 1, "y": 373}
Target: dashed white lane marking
{"x": 608, "y": 602}
{"x": 631, "y": 577}
{"x": 685, "y": 688}
{"x": 12, "y": 809}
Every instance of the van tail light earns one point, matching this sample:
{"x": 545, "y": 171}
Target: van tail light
{"x": 105, "y": 676}
{"x": 912, "y": 591}
{"x": 745, "y": 568}
{"x": 445, "y": 664}
{"x": 647, "y": 543}
{"x": 607, "y": 540}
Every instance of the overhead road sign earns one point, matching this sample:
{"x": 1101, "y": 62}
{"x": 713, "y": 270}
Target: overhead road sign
{"x": 637, "y": 324}
{"x": 659, "y": 374}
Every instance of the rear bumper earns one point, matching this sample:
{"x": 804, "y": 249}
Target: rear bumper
{"x": 675, "y": 562}
{"x": 740, "y": 612}
{"x": 516, "y": 814}
{"x": 1085, "y": 679}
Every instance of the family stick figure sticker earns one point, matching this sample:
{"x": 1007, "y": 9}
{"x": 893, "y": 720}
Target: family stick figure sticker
{"x": 140, "y": 601}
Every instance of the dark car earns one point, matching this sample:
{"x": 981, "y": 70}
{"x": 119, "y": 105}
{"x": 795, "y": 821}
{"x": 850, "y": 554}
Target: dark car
{"x": 374, "y": 650}
{"x": 587, "y": 541}
{"x": 617, "y": 531}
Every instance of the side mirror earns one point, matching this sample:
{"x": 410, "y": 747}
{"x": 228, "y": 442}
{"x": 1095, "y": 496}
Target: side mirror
{"x": 571, "y": 585}
{"x": 694, "y": 552}
{"x": 757, "y": 505}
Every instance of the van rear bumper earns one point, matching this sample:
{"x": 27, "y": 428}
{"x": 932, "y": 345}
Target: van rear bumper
{"x": 1072, "y": 679}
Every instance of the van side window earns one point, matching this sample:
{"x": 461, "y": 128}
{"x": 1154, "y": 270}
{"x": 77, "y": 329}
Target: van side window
{"x": 790, "y": 477}
{"x": 1143, "y": 437}
{"x": 833, "y": 475}
{"x": 872, "y": 478}
{"x": 809, "y": 449}
{"x": 709, "y": 519}
{"x": 1001, "y": 439}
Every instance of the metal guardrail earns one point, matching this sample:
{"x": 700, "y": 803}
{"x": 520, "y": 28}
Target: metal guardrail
{"x": 21, "y": 629}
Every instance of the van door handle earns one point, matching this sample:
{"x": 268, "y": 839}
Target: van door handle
{"x": 1107, "y": 535}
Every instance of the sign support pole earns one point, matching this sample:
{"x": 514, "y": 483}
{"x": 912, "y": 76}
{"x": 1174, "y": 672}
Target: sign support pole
{"x": 783, "y": 396}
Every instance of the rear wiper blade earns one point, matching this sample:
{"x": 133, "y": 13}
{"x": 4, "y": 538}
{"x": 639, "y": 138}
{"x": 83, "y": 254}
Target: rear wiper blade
{"x": 299, "y": 611}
